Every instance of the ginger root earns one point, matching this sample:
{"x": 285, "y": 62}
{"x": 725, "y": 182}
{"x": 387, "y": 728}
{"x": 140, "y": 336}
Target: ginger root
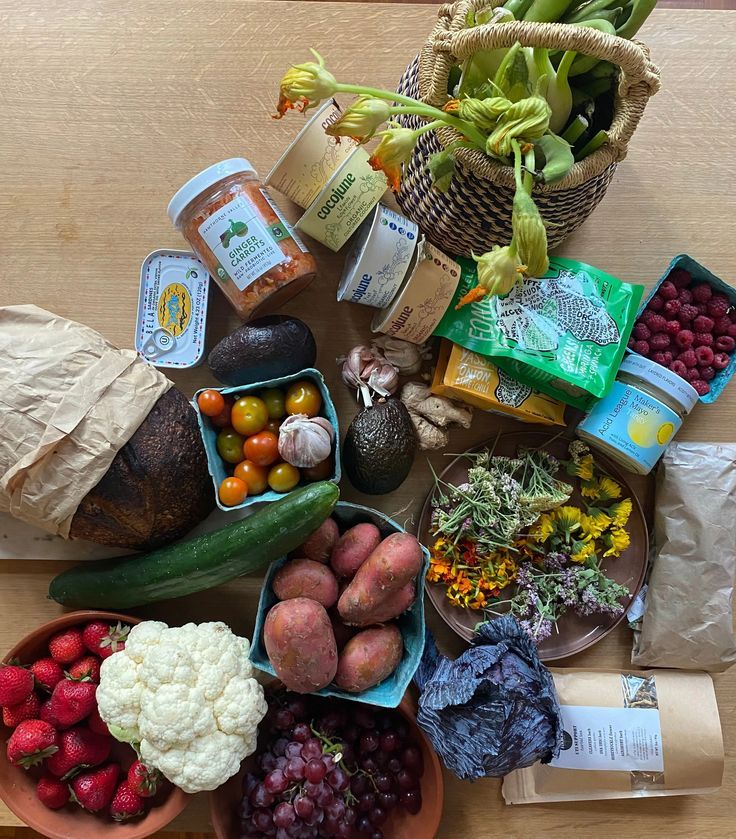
{"x": 433, "y": 415}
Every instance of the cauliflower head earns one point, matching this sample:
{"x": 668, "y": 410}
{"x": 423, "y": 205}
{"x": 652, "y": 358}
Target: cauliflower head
{"x": 187, "y": 698}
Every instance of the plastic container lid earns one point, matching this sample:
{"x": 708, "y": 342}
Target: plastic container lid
{"x": 206, "y": 178}
{"x": 662, "y": 379}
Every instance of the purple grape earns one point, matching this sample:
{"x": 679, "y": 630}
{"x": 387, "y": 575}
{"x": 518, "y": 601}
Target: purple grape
{"x": 363, "y": 825}
{"x": 325, "y": 795}
{"x": 384, "y": 721}
{"x": 383, "y": 782}
{"x": 283, "y": 719}
{"x": 261, "y": 797}
{"x": 328, "y": 762}
{"x": 369, "y": 743}
{"x": 281, "y": 762}
{"x": 245, "y": 809}
{"x": 331, "y": 722}
{"x": 284, "y": 815}
{"x": 295, "y": 769}
{"x": 329, "y": 826}
{"x": 311, "y": 748}
{"x": 338, "y": 779}
{"x": 351, "y": 733}
{"x": 377, "y": 816}
{"x": 276, "y": 782}
{"x": 412, "y": 801}
{"x": 377, "y": 833}
{"x": 348, "y": 753}
{"x": 412, "y": 759}
{"x": 335, "y": 809}
{"x": 402, "y": 729}
{"x": 250, "y": 782}
{"x": 389, "y": 741}
{"x": 262, "y": 819}
{"x": 313, "y": 790}
{"x": 345, "y": 831}
{"x": 388, "y": 800}
{"x": 382, "y": 759}
{"x": 294, "y": 749}
{"x": 303, "y": 806}
{"x": 369, "y": 765}
{"x": 279, "y": 747}
{"x": 359, "y": 784}
{"x": 298, "y": 708}
{"x": 364, "y": 718}
{"x": 366, "y": 802}
{"x": 394, "y": 765}
{"x": 282, "y": 833}
{"x": 349, "y": 816}
{"x": 267, "y": 761}
{"x": 316, "y": 817}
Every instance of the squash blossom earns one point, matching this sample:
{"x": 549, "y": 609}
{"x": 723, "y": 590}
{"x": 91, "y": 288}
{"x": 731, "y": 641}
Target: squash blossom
{"x": 530, "y": 234}
{"x": 305, "y": 85}
{"x": 498, "y": 272}
{"x": 526, "y": 120}
{"x": 483, "y": 113}
{"x": 395, "y": 149}
{"x": 361, "y": 120}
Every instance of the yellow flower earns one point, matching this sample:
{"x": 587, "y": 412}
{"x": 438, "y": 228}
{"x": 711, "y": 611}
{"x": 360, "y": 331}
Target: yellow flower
{"x": 543, "y": 528}
{"x": 621, "y": 511}
{"x": 595, "y": 524}
{"x": 305, "y": 85}
{"x": 617, "y": 540}
{"x": 498, "y": 272}
{"x": 392, "y": 152}
{"x": 361, "y": 120}
{"x": 525, "y": 120}
{"x": 568, "y": 519}
{"x": 583, "y": 552}
{"x": 604, "y": 489}
{"x": 583, "y": 467}
{"x": 530, "y": 234}
{"x": 483, "y": 113}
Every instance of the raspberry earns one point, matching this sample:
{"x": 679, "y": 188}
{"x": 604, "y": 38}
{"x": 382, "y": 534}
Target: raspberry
{"x": 718, "y": 305}
{"x": 725, "y": 343}
{"x": 707, "y": 374}
{"x": 642, "y": 347}
{"x": 703, "y": 339}
{"x": 667, "y": 290}
{"x": 721, "y": 325}
{"x": 720, "y": 360}
{"x": 668, "y": 357}
{"x": 647, "y": 315}
{"x": 685, "y": 295}
{"x": 660, "y": 341}
{"x": 656, "y": 303}
{"x": 700, "y": 386}
{"x": 732, "y": 330}
{"x": 656, "y": 323}
{"x": 671, "y": 308}
{"x": 631, "y": 343}
{"x": 659, "y": 358}
{"x": 692, "y": 374}
{"x": 702, "y": 308}
{"x": 680, "y": 278}
{"x": 688, "y": 358}
{"x": 703, "y": 324}
{"x": 678, "y": 367}
{"x": 672, "y": 327}
{"x": 702, "y": 293}
{"x": 642, "y": 332}
{"x": 684, "y": 339}
{"x": 704, "y": 356}
{"x": 687, "y": 313}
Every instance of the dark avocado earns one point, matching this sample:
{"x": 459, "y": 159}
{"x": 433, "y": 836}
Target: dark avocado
{"x": 379, "y": 447}
{"x": 263, "y": 349}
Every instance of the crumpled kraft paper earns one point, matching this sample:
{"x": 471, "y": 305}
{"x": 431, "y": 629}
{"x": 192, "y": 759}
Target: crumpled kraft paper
{"x": 688, "y": 618}
{"x": 69, "y": 400}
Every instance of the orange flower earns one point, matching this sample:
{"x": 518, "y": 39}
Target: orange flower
{"x": 392, "y": 152}
{"x": 305, "y": 85}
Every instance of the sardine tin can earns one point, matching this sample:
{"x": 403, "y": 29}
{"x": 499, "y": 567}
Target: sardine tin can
{"x": 379, "y": 259}
{"x": 172, "y": 309}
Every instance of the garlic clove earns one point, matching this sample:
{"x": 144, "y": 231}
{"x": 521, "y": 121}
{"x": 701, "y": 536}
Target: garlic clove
{"x": 305, "y": 441}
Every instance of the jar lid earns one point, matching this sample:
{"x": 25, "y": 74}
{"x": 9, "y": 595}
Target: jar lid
{"x": 204, "y": 180}
{"x": 661, "y": 378}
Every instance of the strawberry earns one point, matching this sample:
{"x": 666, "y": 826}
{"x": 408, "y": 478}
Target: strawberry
{"x": 29, "y": 709}
{"x": 67, "y": 646}
{"x": 94, "y": 790}
{"x": 52, "y": 792}
{"x": 31, "y": 742}
{"x": 143, "y": 780}
{"x": 16, "y": 684}
{"x": 103, "y": 639}
{"x": 126, "y": 804}
{"x": 78, "y": 748}
{"x": 97, "y": 724}
{"x": 87, "y": 669}
{"x": 47, "y": 673}
{"x": 46, "y": 715}
{"x": 702, "y": 293}
{"x": 71, "y": 701}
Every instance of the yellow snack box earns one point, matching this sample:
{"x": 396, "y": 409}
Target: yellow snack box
{"x": 475, "y": 380}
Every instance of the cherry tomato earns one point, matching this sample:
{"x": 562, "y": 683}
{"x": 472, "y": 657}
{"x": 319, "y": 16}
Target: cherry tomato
{"x": 321, "y": 472}
{"x": 222, "y": 420}
{"x": 262, "y": 448}
{"x": 303, "y": 398}
{"x": 211, "y": 403}
{"x": 273, "y": 426}
{"x": 255, "y": 477}
{"x": 250, "y": 415}
{"x": 230, "y": 445}
{"x": 274, "y": 399}
{"x": 283, "y": 477}
{"x": 232, "y": 492}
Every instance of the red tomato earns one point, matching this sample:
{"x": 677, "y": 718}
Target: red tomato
{"x": 211, "y": 403}
{"x": 232, "y": 492}
{"x": 255, "y": 477}
{"x": 262, "y": 448}
{"x": 222, "y": 420}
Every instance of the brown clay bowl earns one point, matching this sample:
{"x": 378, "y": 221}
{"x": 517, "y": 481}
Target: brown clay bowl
{"x": 401, "y": 825}
{"x": 18, "y": 787}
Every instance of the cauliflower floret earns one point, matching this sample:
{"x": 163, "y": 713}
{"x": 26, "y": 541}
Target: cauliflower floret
{"x": 164, "y": 664}
{"x": 119, "y": 695}
{"x": 241, "y": 707}
{"x": 174, "y": 713}
{"x": 142, "y": 638}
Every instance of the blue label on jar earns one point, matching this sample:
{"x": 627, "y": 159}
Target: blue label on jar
{"x": 633, "y": 422}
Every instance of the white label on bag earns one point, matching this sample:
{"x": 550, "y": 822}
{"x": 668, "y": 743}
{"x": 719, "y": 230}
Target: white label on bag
{"x": 244, "y": 248}
{"x": 612, "y": 739}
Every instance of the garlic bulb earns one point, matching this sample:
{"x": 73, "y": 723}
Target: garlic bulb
{"x": 405, "y": 356}
{"x": 304, "y": 442}
{"x": 367, "y": 369}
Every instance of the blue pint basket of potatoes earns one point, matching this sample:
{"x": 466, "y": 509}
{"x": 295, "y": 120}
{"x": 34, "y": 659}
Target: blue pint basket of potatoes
{"x": 381, "y": 646}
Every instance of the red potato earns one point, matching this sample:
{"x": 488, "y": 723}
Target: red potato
{"x": 394, "y": 605}
{"x": 318, "y": 547}
{"x": 301, "y": 644}
{"x": 343, "y": 632}
{"x": 369, "y": 657}
{"x": 353, "y": 548}
{"x": 391, "y": 566}
{"x": 306, "y": 578}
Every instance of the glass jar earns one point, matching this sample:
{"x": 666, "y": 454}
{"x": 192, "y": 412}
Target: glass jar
{"x": 239, "y": 233}
{"x": 634, "y": 423}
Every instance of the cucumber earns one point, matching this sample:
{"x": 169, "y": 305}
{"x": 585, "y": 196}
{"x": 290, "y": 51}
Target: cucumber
{"x": 202, "y": 562}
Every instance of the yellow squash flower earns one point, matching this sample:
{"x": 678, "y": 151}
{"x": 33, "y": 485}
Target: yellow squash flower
{"x": 583, "y": 552}
{"x": 526, "y": 121}
{"x": 305, "y": 85}
{"x": 530, "y": 234}
{"x": 392, "y": 152}
{"x": 498, "y": 272}
{"x": 621, "y": 511}
{"x": 618, "y": 541}
{"x": 361, "y": 120}
{"x": 595, "y": 524}
{"x": 483, "y": 113}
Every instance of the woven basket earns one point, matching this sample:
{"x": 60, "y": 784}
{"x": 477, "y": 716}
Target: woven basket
{"x": 475, "y": 213}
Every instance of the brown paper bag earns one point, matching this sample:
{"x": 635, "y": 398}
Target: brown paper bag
{"x": 659, "y": 729}
{"x": 688, "y": 618}
{"x": 65, "y": 411}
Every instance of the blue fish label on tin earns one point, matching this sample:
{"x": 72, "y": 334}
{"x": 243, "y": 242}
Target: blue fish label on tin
{"x": 634, "y": 426}
{"x": 172, "y": 309}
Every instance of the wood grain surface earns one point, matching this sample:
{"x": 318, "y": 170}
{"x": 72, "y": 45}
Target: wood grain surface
{"x": 108, "y": 108}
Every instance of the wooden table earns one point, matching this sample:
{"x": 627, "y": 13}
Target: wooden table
{"x": 107, "y": 108}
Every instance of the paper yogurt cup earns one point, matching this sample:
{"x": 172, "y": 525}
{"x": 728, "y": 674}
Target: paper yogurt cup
{"x": 311, "y": 158}
{"x": 347, "y": 198}
{"x": 424, "y": 297}
{"x": 379, "y": 259}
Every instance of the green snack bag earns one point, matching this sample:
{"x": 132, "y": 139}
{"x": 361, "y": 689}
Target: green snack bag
{"x": 564, "y": 335}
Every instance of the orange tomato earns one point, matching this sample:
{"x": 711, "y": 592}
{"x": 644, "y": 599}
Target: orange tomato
{"x": 283, "y": 477}
{"x": 250, "y": 415}
{"x": 262, "y": 448}
{"x": 232, "y": 492}
{"x": 303, "y": 398}
{"x": 255, "y": 477}
{"x": 211, "y": 403}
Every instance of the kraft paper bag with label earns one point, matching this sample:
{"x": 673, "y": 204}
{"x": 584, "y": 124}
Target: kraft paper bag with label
{"x": 628, "y": 735}
{"x": 688, "y": 618}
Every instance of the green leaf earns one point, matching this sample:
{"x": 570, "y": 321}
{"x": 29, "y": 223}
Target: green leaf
{"x": 441, "y": 167}
{"x": 513, "y": 74}
{"x": 558, "y": 157}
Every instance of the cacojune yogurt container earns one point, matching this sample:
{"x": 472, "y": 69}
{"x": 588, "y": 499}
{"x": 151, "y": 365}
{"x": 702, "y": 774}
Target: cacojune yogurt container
{"x": 636, "y": 420}
{"x": 424, "y": 297}
{"x": 345, "y": 200}
{"x": 379, "y": 258}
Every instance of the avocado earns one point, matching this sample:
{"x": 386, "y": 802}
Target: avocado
{"x": 263, "y": 349}
{"x": 379, "y": 447}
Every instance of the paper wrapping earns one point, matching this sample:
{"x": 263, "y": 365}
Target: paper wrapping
{"x": 692, "y": 742}
{"x": 69, "y": 400}
{"x": 688, "y": 620}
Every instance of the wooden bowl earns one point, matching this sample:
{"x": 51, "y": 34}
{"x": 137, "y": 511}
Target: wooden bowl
{"x": 401, "y": 825}
{"x": 18, "y": 787}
